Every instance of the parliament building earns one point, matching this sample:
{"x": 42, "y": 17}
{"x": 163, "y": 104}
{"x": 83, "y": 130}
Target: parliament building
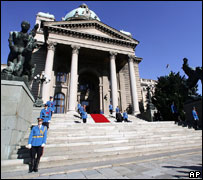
{"x": 87, "y": 61}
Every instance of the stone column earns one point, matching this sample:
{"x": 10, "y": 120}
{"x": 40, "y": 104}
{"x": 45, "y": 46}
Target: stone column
{"x": 48, "y": 71}
{"x": 101, "y": 94}
{"x": 133, "y": 86}
{"x": 114, "y": 88}
{"x": 73, "y": 80}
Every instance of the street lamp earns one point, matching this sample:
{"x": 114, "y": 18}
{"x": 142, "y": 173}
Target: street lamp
{"x": 40, "y": 79}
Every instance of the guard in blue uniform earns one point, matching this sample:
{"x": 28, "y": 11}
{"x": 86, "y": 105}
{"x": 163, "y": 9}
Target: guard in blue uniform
{"x": 51, "y": 105}
{"x": 36, "y": 143}
{"x": 79, "y": 105}
{"x": 110, "y": 108}
{"x": 195, "y": 118}
{"x": 125, "y": 116}
{"x": 81, "y": 110}
{"x": 84, "y": 116}
{"x": 45, "y": 114}
{"x": 117, "y": 112}
{"x": 174, "y": 112}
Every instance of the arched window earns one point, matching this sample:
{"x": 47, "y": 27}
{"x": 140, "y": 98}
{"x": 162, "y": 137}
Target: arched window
{"x": 59, "y": 99}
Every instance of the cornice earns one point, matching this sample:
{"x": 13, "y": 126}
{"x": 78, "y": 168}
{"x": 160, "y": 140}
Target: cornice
{"x": 94, "y": 37}
{"x": 90, "y": 23}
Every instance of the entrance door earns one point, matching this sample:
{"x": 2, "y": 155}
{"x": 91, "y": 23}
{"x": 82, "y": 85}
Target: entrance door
{"x": 89, "y": 92}
{"x": 59, "y": 99}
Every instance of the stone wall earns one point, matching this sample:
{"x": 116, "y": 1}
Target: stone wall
{"x": 16, "y": 114}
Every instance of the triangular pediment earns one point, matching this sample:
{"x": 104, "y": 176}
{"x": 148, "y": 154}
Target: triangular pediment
{"x": 91, "y": 27}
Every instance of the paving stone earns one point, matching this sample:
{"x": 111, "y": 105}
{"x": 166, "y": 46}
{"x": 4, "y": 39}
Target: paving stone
{"x": 108, "y": 172}
{"x": 41, "y": 177}
{"x": 76, "y": 175}
{"x": 122, "y": 170}
{"x": 59, "y": 176}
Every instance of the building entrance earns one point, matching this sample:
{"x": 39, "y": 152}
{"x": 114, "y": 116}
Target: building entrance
{"x": 89, "y": 92}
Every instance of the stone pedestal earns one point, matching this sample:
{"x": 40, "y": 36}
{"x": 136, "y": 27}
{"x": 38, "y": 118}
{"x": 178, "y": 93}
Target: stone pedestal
{"x": 16, "y": 114}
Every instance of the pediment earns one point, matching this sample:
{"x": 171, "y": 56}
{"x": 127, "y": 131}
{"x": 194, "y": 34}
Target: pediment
{"x": 91, "y": 27}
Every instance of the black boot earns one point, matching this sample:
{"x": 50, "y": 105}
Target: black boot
{"x": 31, "y": 168}
{"x": 36, "y": 165}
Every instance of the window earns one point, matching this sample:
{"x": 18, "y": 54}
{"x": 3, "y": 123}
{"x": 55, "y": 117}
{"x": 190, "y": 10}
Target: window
{"x": 61, "y": 77}
{"x": 59, "y": 100}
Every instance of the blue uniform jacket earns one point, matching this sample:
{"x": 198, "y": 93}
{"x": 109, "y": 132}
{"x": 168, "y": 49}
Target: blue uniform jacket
{"x": 195, "y": 116}
{"x": 117, "y": 110}
{"x": 173, "y": 109}
{"x": 38, "y": 136}
{"x": 84, "y": 115}
{"x": 79, "y": 105}
{"x": 110, "y": 107}
{"x": 45, "y": 114}
{"x": 81, "y": 109}
{"x": 51, "y": 105}
{"x": 125, "y": 115}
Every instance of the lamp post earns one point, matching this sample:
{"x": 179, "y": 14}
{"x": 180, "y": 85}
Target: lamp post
{"x": 40, "y": 79}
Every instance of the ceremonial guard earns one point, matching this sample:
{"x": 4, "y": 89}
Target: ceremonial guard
{"x": 110, "y": 108}
{"x": 81, "y": 110}
{"x": 36, "y": 143}
{"x": 174, "y": 112}
{"x": 79, "y": 105}
{"x": 45, "y": 114}
{"x": 195, "y": 118}
{"x": 117, "y": 112}
{"x": 84, "y": 116}
{"x": 125, "y": 116}
{"x": 51, "y": 104}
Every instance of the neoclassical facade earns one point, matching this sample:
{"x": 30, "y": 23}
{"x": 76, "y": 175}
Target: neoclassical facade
{"x": 88, "y": 62}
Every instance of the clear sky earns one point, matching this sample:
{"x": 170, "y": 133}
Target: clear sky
{"x": 168, "y": 31}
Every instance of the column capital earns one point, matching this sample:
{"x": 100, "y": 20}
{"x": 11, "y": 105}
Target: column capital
{"x": 131, "y": 57}
{"x": 112, "y": 53}
{"x": 75, "y": 49}
{"x": 51, "y": 45}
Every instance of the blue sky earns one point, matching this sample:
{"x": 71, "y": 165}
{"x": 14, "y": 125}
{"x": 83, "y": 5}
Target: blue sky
{"x": 168, "y": 31}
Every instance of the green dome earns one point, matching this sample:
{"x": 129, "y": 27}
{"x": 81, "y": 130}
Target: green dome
{"x": 81, "y": 13}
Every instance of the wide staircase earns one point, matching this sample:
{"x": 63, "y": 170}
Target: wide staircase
{"x": 70, "y": 142}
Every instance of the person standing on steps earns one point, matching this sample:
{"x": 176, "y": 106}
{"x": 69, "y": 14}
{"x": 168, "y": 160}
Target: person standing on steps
{"x": 84, "y": 116}
{"x": 110, "y": 108}
{"x": 174, "y": 112}
{"x": 36, "y": 142}
{"x": 117, "y": 112}
{"x": 125, "y": 116}
{"x": 195, "y": 118}
{"x": 45, "y": 114}
{"x": 51, "y": 105}
{"x": 79, "y": 105}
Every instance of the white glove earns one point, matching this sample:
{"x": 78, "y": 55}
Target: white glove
{"x": 29, "y": 146}
{"x": 43, "y": 145}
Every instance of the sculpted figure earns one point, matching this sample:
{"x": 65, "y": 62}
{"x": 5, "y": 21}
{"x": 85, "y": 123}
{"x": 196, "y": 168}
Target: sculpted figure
{"x": 21, "y": 45}
{"x": 193, "y": 74}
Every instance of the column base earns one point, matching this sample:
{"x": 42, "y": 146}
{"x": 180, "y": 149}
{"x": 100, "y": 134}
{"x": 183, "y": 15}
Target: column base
{"x": 72, "y": 112}
{"x": 135, "y": 113}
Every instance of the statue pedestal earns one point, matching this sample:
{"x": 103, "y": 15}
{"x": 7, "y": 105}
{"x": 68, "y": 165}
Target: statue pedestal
{"x": 16, "y": 114}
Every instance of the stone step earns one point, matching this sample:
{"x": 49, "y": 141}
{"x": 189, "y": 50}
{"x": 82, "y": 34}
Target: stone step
{"x": 70, "y": 138}
{"x": 54, "y": 161}
{"x": 121, "y": 160}
{"x": 82, "y": 137}
{"x": 92, "y": 146}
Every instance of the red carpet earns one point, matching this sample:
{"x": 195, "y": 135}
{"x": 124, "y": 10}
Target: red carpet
{"x": 99, "y": 118}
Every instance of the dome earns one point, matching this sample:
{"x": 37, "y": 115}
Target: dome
{"x": 81, "y": 13}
